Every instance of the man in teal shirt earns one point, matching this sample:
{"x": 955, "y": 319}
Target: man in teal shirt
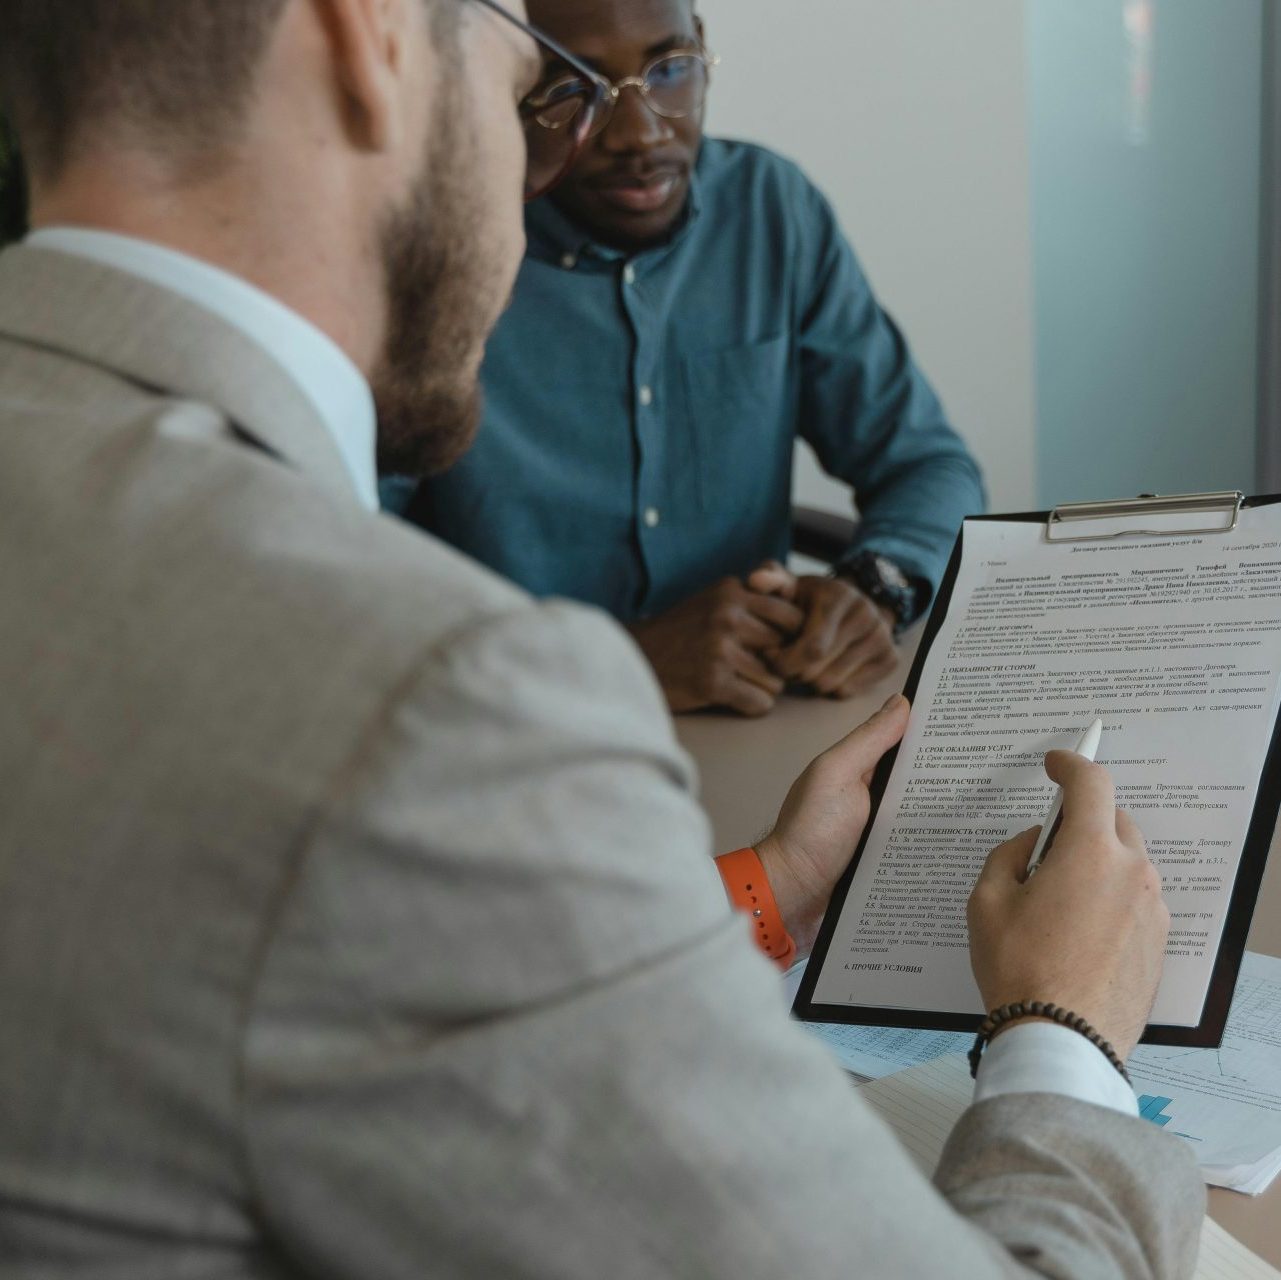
{"x": 687, "y": 308}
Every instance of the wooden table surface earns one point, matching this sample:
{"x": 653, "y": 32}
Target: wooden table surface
{"x": 747, "y": 767}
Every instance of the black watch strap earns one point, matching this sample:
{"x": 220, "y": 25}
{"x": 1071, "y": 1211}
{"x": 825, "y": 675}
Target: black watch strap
{"x": 885, "y": 584}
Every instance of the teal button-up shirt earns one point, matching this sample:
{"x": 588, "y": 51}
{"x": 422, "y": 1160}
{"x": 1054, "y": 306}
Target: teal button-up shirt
{"x": 641, "y": 411}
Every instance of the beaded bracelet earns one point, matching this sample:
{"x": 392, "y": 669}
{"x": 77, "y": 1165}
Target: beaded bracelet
{"x": 1038, "y": 1009}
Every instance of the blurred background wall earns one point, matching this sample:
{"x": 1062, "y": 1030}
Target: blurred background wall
{"x": 912, "y": 115}
{"x": 1147, "y": 181}
{"x": 1071, "y": 206}
{"x": 1060, "y": 202}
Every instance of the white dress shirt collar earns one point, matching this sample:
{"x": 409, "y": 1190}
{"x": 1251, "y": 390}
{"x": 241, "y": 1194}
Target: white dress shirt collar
{"x": 322, "y": 370}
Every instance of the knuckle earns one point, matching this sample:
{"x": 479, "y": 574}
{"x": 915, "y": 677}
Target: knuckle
{"x": 1149, "y": 879}
{"x": 1096, "y": 771}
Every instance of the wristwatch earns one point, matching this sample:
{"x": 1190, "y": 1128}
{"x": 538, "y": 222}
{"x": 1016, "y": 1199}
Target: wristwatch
{"x": 885, "y": 584}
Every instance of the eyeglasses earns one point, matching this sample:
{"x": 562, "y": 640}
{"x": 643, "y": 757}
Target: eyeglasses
{"x": 578, "y": 100}
{"x": 674, "y": 85}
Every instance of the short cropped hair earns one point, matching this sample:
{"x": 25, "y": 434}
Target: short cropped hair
{"x": 178, "y": 72}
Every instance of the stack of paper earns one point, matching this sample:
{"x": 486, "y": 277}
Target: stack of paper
{"x": 922, "y": 1106}
{"x": 1226, "y": 1102}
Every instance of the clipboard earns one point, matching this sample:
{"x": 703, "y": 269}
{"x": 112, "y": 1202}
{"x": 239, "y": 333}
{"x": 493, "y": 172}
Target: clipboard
{"x": 1149, "y": 515}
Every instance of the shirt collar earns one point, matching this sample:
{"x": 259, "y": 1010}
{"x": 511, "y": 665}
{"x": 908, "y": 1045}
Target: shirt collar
{"x": 555, "y": 236}
{"x": 337, "y": 389}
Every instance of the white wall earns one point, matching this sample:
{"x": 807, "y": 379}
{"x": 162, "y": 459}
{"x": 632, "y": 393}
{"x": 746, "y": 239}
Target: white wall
{"x": 912, "y": 116}
{"x": 1146, "y": 226}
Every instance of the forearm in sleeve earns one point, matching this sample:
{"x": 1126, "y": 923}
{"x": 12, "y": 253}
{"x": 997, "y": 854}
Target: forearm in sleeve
{"x": 873, "y": 418}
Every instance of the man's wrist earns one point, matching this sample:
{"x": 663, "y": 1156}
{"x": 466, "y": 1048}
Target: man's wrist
{"x": 886, "y": 584}
{"x": 750, "y": 889}
{"x": 1039, "y": 1057}
{"x": 795, "y": 899}
{"x": 774, "y": 862}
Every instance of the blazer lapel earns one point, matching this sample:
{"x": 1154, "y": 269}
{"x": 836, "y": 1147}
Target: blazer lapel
{"x": 142, "y": 332}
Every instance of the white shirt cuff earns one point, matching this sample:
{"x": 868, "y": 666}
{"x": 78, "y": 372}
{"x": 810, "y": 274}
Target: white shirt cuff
{"x": 1039, "y": 1057}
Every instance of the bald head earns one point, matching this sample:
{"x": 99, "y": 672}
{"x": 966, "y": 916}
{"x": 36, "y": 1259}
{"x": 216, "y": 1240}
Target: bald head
{"x": 583, "y": 15}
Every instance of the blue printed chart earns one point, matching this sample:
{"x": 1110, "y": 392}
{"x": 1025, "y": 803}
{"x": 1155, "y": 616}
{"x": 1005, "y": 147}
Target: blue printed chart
{"x": 1227, "y": 1101}
{"x": 1153, "y": 1109}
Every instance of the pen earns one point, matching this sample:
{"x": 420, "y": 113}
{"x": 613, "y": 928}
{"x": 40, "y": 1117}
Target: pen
{"x": 1088, "y": 747}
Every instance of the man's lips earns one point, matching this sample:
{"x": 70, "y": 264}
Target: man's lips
{"x": 638, "y": 193}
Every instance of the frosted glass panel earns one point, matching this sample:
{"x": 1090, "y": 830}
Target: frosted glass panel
{"x": 1146, "y": 150}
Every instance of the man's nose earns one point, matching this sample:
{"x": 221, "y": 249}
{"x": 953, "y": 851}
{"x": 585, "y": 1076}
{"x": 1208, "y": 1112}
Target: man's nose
{"x": 635, "y": 125}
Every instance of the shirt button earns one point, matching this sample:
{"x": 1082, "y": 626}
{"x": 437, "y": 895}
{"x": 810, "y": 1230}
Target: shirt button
{"x": 629, "y": 274}
{"x": 653, "y": 518}
{"x": 569, "y": 261}
{"x": 646, "y": 397}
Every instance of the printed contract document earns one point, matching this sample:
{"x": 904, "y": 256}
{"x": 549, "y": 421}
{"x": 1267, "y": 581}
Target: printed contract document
{"x": 1175, "y": 642}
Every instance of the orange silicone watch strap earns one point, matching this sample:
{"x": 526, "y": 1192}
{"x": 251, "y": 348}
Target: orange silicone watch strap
{"x": 749, "y": 892}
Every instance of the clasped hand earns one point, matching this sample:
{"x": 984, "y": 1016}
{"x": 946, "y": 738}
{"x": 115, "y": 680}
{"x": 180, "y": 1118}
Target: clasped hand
{"x": 739, "y": 644}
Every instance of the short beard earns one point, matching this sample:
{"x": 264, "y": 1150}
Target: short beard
{"x": 426, "y": 385}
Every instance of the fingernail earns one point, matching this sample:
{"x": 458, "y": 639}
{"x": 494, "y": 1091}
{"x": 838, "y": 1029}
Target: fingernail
{"x": 890, "y": 701}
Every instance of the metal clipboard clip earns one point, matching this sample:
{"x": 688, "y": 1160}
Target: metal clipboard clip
{"x": 1227, "y": 505}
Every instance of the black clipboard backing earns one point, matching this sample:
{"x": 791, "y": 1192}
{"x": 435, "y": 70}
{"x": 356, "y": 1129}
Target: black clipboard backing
{"x": 1208, "y": 1033}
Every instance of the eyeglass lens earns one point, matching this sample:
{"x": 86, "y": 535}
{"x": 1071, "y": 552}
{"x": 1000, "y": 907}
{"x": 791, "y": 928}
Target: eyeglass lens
{"x": 557, "y": 122}
{"x": 675, "y": 85}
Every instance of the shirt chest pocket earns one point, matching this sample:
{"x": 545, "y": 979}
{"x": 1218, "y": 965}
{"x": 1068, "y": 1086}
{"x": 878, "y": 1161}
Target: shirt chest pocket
{"x": 739, "y": 415}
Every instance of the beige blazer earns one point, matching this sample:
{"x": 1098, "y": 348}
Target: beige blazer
{"x": 357, "y": 917}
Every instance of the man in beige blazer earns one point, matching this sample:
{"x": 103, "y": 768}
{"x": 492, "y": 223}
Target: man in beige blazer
{"x": 357, "y": 917}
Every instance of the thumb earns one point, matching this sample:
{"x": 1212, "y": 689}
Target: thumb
{"x": 1006, "y": 865}
{"x": 860, "y": 752}
{"x": 772, "y": 579}
{"x": 1089, "y": 797}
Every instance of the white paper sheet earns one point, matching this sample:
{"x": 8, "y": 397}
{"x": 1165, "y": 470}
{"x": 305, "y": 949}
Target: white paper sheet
{"x": 1174, "y": 641}
{"x": 923, "y": 1105}
{"x": 1225, "y": 1102}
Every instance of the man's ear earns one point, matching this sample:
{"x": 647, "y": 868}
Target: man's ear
{"x": 369, "y": 47}
{"x": 702, "y": 31}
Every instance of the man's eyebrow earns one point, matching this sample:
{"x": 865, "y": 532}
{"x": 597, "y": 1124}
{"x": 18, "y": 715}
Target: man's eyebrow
{"x": 683, "y": 41}
{"x": 553, "y": 64}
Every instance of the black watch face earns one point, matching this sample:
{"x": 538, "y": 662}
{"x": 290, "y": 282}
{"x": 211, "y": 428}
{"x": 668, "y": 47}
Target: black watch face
{"x": 892, "y": 575}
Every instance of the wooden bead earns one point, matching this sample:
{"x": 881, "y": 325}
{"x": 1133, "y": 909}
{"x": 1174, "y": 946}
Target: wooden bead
{"x": 1039, "y": 1009}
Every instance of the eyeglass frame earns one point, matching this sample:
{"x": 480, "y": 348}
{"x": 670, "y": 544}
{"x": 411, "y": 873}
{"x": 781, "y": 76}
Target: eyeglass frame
{"x": 580, "y": 69}
{"x": 614, "y": 88}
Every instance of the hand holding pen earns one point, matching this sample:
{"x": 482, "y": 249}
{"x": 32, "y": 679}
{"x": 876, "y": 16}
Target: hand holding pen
{"x": 1089, "y": 935}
